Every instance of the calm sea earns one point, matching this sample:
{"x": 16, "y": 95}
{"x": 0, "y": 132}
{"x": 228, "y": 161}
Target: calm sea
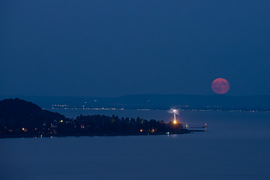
{"x": 235, "y": 147}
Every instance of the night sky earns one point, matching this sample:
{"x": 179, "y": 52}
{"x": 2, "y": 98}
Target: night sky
{"x": 113, "y": 47}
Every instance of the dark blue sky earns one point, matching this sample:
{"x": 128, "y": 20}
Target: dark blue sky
{"x": 113, "y": 47}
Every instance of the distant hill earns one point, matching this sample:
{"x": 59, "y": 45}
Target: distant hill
{"x": 162, "y": 101}
{"x": 17, "y": 113}
{"x": 156, "y": 101}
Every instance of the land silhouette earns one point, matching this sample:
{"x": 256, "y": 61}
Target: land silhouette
{"x": 20, "y": 118}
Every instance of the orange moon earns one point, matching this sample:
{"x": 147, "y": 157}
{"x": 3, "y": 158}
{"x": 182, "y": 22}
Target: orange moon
{"x": 220, "y": 86}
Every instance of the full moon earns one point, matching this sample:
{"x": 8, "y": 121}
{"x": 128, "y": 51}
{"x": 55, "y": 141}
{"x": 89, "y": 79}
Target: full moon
{"x": 220, "y": 86}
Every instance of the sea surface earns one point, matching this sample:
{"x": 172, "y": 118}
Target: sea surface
{"x": 236, "y": 146}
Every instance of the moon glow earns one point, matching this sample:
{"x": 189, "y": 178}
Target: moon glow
{"x": 220, "y": 86}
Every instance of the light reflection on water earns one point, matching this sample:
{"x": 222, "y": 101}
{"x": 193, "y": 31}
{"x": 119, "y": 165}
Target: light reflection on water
{"x": 236, "y": 146}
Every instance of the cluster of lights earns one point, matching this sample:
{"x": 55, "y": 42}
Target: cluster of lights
{"x": 84, "y": 108}
{"x": 60, "y": 105}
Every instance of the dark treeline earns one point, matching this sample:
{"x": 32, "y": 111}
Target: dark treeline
{"x": 114, "y": 125}
{"x": 22, "y": 118}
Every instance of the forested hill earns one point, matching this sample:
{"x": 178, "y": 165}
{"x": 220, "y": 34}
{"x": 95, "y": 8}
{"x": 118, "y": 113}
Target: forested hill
{"x": 17, "y": 113}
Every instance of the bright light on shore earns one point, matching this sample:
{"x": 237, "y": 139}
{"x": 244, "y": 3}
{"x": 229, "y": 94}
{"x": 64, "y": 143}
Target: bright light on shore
{"x": 174, "y": 112}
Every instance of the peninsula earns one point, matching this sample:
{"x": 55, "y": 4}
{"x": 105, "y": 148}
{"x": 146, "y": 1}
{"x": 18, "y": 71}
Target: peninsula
{"x": 19, "y": 118}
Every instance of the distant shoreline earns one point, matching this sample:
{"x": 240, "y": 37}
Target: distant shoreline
{"x": 252, "y": 103}
{"x": 181, "y": 109}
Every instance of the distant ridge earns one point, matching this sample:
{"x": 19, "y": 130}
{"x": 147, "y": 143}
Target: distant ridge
{"x": 198, "y": 100}
{"x": 156, "y": 101}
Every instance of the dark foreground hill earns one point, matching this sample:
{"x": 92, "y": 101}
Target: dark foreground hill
{"x": 16, "y": 114}
{"x": 19, "y": 118}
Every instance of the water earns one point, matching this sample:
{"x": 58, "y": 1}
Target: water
{"x": 236, "y": 146}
